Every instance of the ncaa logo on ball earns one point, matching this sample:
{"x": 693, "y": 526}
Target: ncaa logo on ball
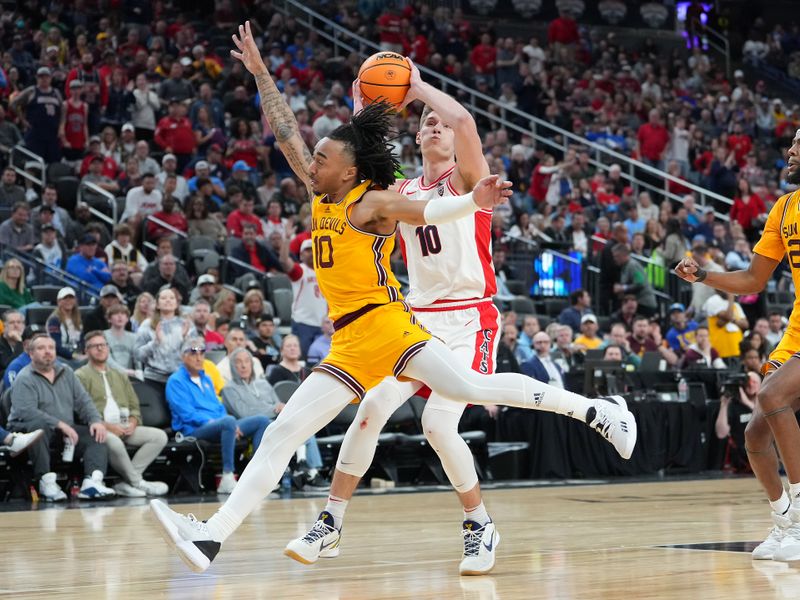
{"x": 389, "y": 75}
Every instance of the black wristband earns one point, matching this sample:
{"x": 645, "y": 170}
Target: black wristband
{"x": 701, "y": 275}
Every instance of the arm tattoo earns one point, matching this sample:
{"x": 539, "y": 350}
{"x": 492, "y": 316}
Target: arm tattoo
{"x": 282, "y": 120}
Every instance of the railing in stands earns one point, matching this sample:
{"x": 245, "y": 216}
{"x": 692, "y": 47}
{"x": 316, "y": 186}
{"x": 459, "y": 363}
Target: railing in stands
{"x": 110, "y": 198}
{"x": 164, "y": 225}
{"x": 602, "y": 157}
{"x": 44, "y": 271}
{"x": 719, "y": 42}
{"x": 21, "y": 150}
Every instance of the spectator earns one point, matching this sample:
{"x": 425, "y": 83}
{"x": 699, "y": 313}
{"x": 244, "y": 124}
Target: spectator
{"x": 610, "y": 269}
{"x": 580, "y": 304}
{"x": 588, "y": 340}
{"x": 645, "y": 207}
{"x": 196, "y": 411}
{"x": 73, "y": 130}
{"x": 97, "y": 320}
{"x": 618, "y": 336}
{"x": 541, "y": 365}
{"x": 505, "y": 361}
{"x": 248, "y": 395}
{"x": 214, "y": 106}
{"x": 267, "y": 342}
{"x": 159, "y": 339}
{"x": 653, "y": 139}
{"x": 122, "y": 250}
{"x": 176, "y": 89}
{"x": 143, "y": 309}
{"x": 735, "y": 409}
{"x": 327, "y": 121}
{"x": 11, "y": 340}
{"x": 147, "y": 165}
{"x": 701, "y": 293}
{"x": 321, "y": 345}
{"x": 22, "y": 360}
{"x": 252, "y": 307}
{"x": 309, "y": 307}
{"x": 640, "y": 341}
{"x": 244, "y": 214}
{"x": 110, "y": 168}
{"x": 17, "y": 231}
{"x": 121, "y": 341}
{"x": 633, "y": 280}
{"x": 740, "y": 257}
{"x": 202, "y": 174}
{"x": 122, "y": 280}
{"x": 225, "y": 306}
{"x": 253, "y": 252}
{"x": 774, "y": 335}
{"x": 563, "y": 37}
{"x": 88, "y": 269}
{"x": 525, "y": 349}
{"x": 169, "y": 213}
{"x": 10, "y": 135}
{"x": 141, "y": 201}
{"x": 682, "y": 333}
{"x": 145, "y": 106}
{"x": 200, "y": 223}
{"x": 166, "y": 273}
{"x": 726, "y": 323}
{"x": 169, "y": 165}
{"x": 43, "y": 105}
{"x": 240, "y": 177}
{"x": 96, "y": 177}
{"x": 201, "y": 315}
{"x": 289, "y": 368}
{"x": 236, "y": 338}
{"x": 61, "y": 219}
{"x": 748, "y": 209}
{"x": 564, "y": 352}
{"x": 174, "y": 133}
{"x": 115, "y": 400}
{"x": 11, "y": 194}
{"x": 702, "y": 353}
{"x": 206, "y": 289}
{"x": 51, "y": 250}
{"x": 64, "y": 325}
{"x": 13, "y": 291}
{"x": 47, "y": 395}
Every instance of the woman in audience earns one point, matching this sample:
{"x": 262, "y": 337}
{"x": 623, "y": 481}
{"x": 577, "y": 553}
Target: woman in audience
{"x": 748, "y": 209}
{"x": 205, "y": 132}
{"x": 250, "y": 310}
{"x": 652, "y": 234}
{"x": 13, "y": 291}
{"x": 290, "y": 368}
{"x": 247, "y": 396}
{"x": 159, "y": 339}
{"x": 673, "y": 247}
{"x": 64, "y": 325}
{"x": 121, "y": 343}
{"x": 224, "y": 307}
{"x": 200, "y": 223}
{"x": 243, "y": 144}
{"x": 142, "y": 310}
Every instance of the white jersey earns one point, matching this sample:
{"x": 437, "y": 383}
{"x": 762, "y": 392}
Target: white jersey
{"x": 309, "y": 307}
{"x": 450, "y": 262}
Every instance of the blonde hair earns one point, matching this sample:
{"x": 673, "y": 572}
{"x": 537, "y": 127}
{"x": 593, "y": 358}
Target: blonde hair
{"x": 223, "y": 296}
{"x": 20, "y": 287}
{"x": 62, "y": 315}
{"x": 249, "y": 296}
{"x": 138, "y": 313}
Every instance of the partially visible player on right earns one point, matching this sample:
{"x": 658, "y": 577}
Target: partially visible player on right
{"x": 773, "y": 421}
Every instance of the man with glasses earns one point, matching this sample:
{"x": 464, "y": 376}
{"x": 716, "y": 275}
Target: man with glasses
{"x": 113, "y": 396}
{"x": 541, "y": 365}
{"x": 121, "y": 278}
{"x": 11, "y": 341}
{"x": 197, "y": 411}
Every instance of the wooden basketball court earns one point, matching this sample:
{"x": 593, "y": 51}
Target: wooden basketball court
{"x": 620, "y": 541}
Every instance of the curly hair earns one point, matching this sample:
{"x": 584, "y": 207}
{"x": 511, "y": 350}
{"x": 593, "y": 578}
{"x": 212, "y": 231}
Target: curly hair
{"x": 365, "y": 138}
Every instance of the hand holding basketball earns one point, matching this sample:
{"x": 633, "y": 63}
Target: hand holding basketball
{"x": 384, "y": 76}
{"x": 248, "y": 51}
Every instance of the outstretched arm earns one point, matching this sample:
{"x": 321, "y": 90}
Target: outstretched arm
{"x": 471, "y": 165}
{"x": 749, "y": 281}
{"x": 278, "y": 114}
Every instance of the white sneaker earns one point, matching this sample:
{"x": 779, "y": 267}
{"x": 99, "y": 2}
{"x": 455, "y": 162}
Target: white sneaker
{"x": 615, "y": 423}
{"x": 123, "y": 488}
{"x": 480, "y": 544}
{"x": 321, "y": 541}
{"x": 94, "y": 488}
{"x": 790, "y": 544}
{"x": 50, "y": 490}
{"x": 153, "y": 488}
{"x": 766, "y": 550}
{"x": 20, "y": 441}
{"x": 188, "y": 536}
{"x": 226, "y": 483}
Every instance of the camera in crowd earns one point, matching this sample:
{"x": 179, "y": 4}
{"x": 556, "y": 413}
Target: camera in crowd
{"x": 731, "y": 382}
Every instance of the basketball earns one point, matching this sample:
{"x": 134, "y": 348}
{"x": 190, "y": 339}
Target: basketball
{"x": 384, "y": 76}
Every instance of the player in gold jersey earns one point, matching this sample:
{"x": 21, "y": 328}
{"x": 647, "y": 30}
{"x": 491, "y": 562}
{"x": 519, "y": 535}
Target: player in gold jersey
{"x": 376, "y": 334}
{"x": 773, "y": 421}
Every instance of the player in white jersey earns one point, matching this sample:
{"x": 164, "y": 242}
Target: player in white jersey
{"x": 452, "y": 284}
{"x": 309, "y": 308}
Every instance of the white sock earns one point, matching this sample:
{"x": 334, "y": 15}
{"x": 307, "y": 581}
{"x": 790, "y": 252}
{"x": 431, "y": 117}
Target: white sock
{"x": 300, "y": 453}
{"x": 336, "y": 507}
{"x": 794, "y": 492}
{"x": 782, "y": 504}
{"x": 477, "y": 514}
{"x": 312, "y": 472}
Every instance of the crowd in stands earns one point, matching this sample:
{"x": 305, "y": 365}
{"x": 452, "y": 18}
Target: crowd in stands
{"x": 144, "y": 103}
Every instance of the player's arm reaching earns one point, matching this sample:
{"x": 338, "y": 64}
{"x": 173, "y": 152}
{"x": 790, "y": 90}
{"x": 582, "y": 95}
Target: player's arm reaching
{"x": 471, "y": 164}
{"x": 278, "y": 114}
{"x": 379, "y": 211}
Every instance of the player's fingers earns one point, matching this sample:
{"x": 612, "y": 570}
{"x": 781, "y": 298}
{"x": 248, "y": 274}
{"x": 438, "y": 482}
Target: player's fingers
{"x": 236, "y": 55}
{"x": 237, "y": 42}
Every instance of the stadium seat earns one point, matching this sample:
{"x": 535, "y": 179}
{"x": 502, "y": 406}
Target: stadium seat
{"x": 285, "y": 389}
{"x": 37, "y": 315}
{"x": 277, "y": 282}
{"x": 554, "y": 306}
{"x": 67, "y": 189}
{"x": 282, "y": 301}
{"x": 46, "y": 294}
{"x": 517, "y": 287}
{"x": 523, "y": 305}
{"x": 216, "y": 355}
{"x": 58, "y": 170}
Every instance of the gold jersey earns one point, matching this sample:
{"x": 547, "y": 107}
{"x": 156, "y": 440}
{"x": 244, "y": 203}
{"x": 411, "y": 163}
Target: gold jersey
{"x": 352, "y": 266}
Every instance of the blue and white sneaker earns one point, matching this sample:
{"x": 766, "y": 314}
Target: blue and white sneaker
{"x": 480, "y": 545}
{"x": 321, "y": 541}
{"x": 93, "y": 487}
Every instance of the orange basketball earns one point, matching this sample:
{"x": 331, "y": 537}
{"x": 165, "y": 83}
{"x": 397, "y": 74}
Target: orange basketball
{"x": 384, "y": 76}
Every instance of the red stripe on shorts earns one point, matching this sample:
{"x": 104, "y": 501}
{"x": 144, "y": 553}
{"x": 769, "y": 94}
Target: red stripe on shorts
{"x": 485, "y": 339}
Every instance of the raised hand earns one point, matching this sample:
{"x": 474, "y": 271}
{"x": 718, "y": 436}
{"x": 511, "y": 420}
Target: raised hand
{"x": 415, "y": 83}
{"x": 248, "y": 51}
{"x": 491, "y": 191}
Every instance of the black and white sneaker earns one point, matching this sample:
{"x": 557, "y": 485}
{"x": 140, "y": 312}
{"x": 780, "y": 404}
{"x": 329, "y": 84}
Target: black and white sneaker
{"x": 187, "y": 535}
